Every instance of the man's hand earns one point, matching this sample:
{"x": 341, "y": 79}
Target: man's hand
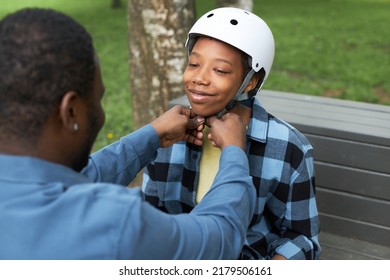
{"x": 179, "y": 123}
{"x": 229, "y": 130}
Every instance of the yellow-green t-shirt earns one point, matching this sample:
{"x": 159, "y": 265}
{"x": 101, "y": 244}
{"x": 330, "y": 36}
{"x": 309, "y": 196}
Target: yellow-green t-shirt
{"x": 209, "y": 164}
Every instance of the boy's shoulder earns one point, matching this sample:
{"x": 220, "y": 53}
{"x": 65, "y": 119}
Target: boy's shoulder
{"x": 277, "y": 128}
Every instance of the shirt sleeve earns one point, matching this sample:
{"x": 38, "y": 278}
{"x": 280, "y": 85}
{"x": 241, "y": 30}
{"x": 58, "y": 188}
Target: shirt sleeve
{"x": 120, "y": 162}
{"x": 300, "y": 227}
{"x": 150, "y": 189}
{"x": 214, "y": 229}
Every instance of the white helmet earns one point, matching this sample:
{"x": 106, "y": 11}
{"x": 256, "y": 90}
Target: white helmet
{"x": 243, "y": 30}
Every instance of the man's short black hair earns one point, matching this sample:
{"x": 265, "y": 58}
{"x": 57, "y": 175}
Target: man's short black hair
{"x": 43, "y": 55}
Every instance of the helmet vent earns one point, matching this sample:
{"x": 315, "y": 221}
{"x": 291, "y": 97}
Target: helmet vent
{"x": 210, "y": 15}
{"x": 234, "y": 22}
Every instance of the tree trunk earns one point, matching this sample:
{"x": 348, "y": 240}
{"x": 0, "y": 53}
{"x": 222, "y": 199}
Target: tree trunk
{"x": 157, "y": 33}
{"x": 243, "y": 4}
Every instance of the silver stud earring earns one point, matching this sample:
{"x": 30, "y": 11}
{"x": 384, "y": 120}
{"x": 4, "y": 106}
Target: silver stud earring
{"x": 75, "y": 127}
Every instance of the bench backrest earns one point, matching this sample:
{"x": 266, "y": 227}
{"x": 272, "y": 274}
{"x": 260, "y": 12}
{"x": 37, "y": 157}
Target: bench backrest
{"x": 351, "y": 143}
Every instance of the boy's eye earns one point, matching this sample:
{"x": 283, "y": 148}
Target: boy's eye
{"x": 192, "y": 65}
{"x": 220, "y": 71}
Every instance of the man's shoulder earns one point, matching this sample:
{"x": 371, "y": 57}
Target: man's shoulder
{"x": 94, "y": 195}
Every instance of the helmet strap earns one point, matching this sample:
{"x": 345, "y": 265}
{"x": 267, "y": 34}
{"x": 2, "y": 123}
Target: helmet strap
{"x": 239, "y": 95}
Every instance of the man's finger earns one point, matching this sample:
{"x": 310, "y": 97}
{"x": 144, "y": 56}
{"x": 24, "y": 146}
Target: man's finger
{"x": 195, "y": 122}
{"x": 211, "y": 120}
{"x": 185, "y": 111}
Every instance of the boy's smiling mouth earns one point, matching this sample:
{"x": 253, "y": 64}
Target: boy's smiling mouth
{"x": 199, "y": 96}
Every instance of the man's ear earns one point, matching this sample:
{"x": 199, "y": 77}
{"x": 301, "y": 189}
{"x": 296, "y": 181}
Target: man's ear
{"x": 69, "y": 110}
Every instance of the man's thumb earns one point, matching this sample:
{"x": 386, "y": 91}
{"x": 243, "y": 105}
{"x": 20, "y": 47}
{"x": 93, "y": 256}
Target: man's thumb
{"x": 195, "y": 122}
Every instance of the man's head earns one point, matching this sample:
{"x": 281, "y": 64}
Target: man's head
{"x": 47, "y": 59}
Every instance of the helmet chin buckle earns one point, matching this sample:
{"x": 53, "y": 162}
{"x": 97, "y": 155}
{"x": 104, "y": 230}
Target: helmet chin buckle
{"x": 231, "y": 105}
{"x": 228, "y": 107}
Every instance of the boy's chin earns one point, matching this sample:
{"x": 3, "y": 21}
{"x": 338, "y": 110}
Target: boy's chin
{"x": 203, "y": 113}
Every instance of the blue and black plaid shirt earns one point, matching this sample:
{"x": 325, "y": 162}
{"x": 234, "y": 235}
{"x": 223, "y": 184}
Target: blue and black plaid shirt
{"x": 286, "y": 218}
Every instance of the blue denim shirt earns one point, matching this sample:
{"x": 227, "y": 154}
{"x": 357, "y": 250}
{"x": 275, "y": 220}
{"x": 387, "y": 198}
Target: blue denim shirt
{"x": 49, "y": 211}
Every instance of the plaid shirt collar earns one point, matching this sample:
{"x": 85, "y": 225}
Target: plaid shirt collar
{"x": 258, "y": 123}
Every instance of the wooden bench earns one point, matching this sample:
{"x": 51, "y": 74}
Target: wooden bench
{"x": 351, "y": 143}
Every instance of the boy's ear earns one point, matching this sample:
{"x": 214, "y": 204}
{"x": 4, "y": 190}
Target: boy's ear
{"x": 257, "y": 78}
{"x": 252, "y": 83}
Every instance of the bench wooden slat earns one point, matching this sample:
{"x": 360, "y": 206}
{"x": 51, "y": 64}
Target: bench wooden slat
{"x": 320, "y": 123}
{"x": 352, "y": 180}
{"x": 339, "y": 115}
{"x": 351, "y": 154}
{"x": 372, "y": 137}
{"x": 351, "y": 228}
{"x": 332, "y": 102}
{"x": 332, "y": 128}
{"x": 335, "y": 247}
{"x": 359, "y": 208}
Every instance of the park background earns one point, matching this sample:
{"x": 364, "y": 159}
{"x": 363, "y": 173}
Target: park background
{"x": 333, "y": 48}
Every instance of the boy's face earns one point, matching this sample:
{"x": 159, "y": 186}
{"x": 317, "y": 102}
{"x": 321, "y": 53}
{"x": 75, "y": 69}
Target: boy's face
{"x": 213, "y": 75}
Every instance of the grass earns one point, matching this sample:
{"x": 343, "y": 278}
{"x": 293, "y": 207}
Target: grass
{"x": 335, "y": 48}
{"x": 331, "y": 48}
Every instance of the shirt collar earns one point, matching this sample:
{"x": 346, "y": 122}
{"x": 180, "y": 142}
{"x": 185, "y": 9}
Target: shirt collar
{"x": 258, "y": 123}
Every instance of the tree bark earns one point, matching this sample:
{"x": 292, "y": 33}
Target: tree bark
{"x": 243, "y": 4}
{"x": 157, "y": 57}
